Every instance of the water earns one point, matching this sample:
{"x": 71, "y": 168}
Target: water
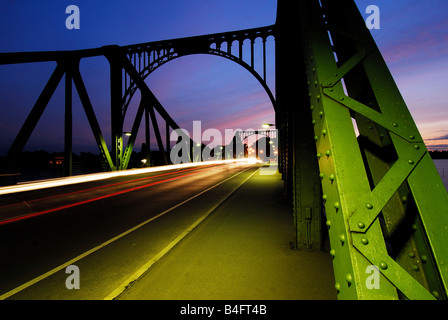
{"x": 442, "y": 167}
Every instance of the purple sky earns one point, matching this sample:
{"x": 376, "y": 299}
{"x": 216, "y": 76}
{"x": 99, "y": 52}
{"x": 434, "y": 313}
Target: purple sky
{"x": 413, "y": 39}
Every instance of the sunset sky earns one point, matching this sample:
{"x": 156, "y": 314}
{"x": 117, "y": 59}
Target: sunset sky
{"x": 413, "y": 40}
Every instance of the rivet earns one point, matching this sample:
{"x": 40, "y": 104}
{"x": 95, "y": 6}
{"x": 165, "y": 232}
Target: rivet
{"x": 414, "y": 227}
{"x": 314, "y": 69}
{"x": 369, "y": 206}
{"x": 395, "y": 124}
{"x": 316, "y": 83}
{"x": 404, "y": 199}
{"x": 318, "y": 97}
{"x": 348, "y": 278}
{"x": 328, "y": 223}
{"x": 435, "y": 294}
{"x": 342, "y": 238}
{"x": 337, "y": 205}
{"x": 411, "y": 254}
{"x": 417, "y": 147}
{"x": 424, "y": 258}
{"x": 341, "y": 98}
{"x": 361, "y": 225}
{"x": 321, "y": 114}
{"x": 331, "y": 177}
{"x": 319, "y": 155}
{"x": 321, "y": 175}
{"x": 330, "y": 83}
{"x": 411, "y": 162}
{"x": 331, "y": 89}
{"x": 337, "y": 286}
{"x": 383, "y": 265}
{"x": 365, "y": 241}
{"x": 412, "y": 137}
{"x": 324, "y": 132}
{"x": 316, "y": 138}
{"x": 416, "y": 267}
{"x": 324, "y": 197}
{"x": 312, "y": 107}
{"x": 328, "y": 153}
{"x": 333, "y": 253}
{"x": 313, "y": 122}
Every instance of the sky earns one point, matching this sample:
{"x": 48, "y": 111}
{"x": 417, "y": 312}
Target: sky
{"x": 413, "y": 39}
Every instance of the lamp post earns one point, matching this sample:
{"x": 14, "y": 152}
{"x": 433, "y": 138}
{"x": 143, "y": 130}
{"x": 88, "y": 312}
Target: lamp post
{"x": 267, "y": 125}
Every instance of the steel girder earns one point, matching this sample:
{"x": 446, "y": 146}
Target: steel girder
{"x": 129, "y": 66}
{"x": 386, "y": 208}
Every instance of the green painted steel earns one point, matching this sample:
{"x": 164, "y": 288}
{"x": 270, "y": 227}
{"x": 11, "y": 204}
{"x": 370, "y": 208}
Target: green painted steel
{"x": 386, "y": 208}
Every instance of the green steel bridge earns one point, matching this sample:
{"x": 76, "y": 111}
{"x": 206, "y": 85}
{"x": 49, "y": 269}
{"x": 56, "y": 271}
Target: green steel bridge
{"x": 354, "y": 165}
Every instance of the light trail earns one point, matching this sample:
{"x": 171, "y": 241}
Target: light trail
{"x": 121, "y": 235}
{"x": 43, "y": 184}
{"x": 106, "y": 196}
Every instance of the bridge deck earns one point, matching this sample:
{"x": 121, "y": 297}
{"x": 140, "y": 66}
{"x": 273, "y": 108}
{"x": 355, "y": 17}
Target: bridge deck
{"x": 241, "y": 251}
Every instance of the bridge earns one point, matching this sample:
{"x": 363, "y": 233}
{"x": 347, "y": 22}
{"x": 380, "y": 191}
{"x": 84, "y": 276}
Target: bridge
{"x": 356, "y": 198}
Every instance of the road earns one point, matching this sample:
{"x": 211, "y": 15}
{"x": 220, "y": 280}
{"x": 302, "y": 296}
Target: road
{"x": 111, "y": 230}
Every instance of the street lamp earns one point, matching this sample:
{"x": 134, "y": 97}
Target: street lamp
{"x": 268, "y": 125}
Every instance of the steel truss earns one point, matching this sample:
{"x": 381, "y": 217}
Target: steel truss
{"x": 129, "y": 66}
{"x": 385, "y": 206}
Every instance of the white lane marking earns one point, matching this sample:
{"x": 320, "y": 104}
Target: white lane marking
{"x": 117, "y": 292}
{"x": 85, "y": 254}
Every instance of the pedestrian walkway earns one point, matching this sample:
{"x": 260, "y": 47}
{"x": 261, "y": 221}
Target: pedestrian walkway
{"x": 241, "y": 252}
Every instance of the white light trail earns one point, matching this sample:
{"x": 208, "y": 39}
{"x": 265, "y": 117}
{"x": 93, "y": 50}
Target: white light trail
{"x": 43, "y": 184}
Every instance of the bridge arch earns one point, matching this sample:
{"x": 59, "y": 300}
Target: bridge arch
{"x": 146, "y": 58}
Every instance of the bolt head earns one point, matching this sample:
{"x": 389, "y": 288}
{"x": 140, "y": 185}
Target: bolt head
{"x": 337, "y": 286}
{"x": 383, "y": 265}
{"x": 349, "y": 278}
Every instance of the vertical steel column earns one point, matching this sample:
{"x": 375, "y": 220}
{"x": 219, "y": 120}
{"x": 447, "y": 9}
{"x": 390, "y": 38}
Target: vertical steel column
{"x": 264, "y": 59}
{"x": 299, "y": 151}
{"x": 167, "y": 137}
{"x": 147, "y": 137}
{"x": 113, "y": 55}
{"x": 68, "y": 127}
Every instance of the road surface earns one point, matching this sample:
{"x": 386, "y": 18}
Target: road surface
{"x": 105, "y": 232}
